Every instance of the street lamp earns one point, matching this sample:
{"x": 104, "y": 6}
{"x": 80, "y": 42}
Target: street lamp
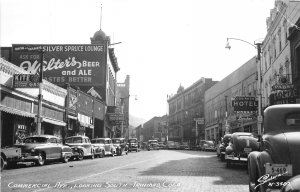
{"x": 256, "y": 45}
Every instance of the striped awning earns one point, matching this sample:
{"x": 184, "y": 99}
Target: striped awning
{"x": 16, "y": 111}
{"x": 54, "y": 121}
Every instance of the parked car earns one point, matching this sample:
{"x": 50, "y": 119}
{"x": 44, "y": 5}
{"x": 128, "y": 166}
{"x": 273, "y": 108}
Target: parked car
{"x": 120, "y": 145}
{"x": 224, "y": 143}
{"x": 184, "y": 146}
{"x": 81, "y": 146}
{"x": 292, "y": 185}
{"x": 133, "y": 144}
{"x": 105, "y": 143}
{"x": 153, "y": 144}
{"x": 162, "y": 145}
{"x": 279, "y": 154}
{"x": 170, "y": 145}
{"x": 42, "y": 148}
{"x": 10, "y": 156}
{"x": 177, "y": 145}
{"x": 239, "y": 147}
{"x": 207, "y": 145}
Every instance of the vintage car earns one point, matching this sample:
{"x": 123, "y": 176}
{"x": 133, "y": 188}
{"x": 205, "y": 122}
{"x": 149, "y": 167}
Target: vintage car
{"x": 171, "y": 145}
{"x": 292, "y": 185}
{"x": 105, "y": 143}
{"x": 241, "y": 144}
{"x": 133, "y": 144}
{"x": 207, "y": 145}
{"x": 279, "y": 155}
{"x": 153, "y": 144}
{"x": 224, "y": 143}
{"x": 162, "y": 145}
{"x": 42, "y": 148}
{"x": 120, "y": 145}
{"x": 10, "y": 156}
{"x": 184, "y": 146}
{"x": 81, "y": 147}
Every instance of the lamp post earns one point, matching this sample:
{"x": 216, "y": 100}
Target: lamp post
{"x": 258, "y": 60}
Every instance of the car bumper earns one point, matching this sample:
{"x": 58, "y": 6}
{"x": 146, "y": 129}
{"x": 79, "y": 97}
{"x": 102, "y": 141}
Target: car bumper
{"x": 233, "y": 158}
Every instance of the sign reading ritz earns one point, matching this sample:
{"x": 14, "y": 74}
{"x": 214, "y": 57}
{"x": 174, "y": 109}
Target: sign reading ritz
{"x": 245, "y": 104}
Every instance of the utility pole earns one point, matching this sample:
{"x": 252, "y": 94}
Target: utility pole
{"x": 40, "y": 96}
{"x": 259, "y": 116}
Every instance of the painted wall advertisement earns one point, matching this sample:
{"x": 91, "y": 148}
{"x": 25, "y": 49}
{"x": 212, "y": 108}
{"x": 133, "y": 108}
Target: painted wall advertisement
{"x": 80, "y": 64}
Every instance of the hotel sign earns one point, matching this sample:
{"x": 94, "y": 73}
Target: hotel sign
{"x": 245, "y": 104}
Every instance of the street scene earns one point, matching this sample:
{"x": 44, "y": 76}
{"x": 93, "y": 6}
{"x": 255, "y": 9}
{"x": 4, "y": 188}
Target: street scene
{"x": 160, "y": 95}
{"x": 163, "y": 170}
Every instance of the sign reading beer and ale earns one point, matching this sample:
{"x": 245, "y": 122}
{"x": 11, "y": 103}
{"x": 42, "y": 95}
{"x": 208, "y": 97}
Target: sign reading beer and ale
{"x": 241, "y": 103}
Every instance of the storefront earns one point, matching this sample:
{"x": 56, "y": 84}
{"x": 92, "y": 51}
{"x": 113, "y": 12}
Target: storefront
{"x": 19, "y": 107}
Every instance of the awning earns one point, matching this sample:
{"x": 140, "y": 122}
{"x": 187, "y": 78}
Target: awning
{"x": 86, "y": 125}
{"x": 54, "y": 121}
{"x": 16, "y": 111}
{"x": 72, "y": 117}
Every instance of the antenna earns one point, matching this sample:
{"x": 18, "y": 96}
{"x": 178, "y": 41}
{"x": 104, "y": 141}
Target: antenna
{"x": 101, "y": 17}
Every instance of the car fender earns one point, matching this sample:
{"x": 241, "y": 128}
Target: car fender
{"x": 82, "y": 149}
{"x": 252, "y": 168}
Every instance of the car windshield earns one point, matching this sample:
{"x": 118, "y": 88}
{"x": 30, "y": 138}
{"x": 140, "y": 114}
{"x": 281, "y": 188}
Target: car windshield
{"x": 132, "y": 140}
{"x": 116, "y": 141}
{"x": 293, "y": 120}
{"x": 209, "y": 142}
{"x": 36, "y": 140}
{"x": 74, "y": 140}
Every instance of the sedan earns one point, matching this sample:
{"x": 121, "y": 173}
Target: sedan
{"x": 81, "y": 146}
{"x": 42, "y": 148}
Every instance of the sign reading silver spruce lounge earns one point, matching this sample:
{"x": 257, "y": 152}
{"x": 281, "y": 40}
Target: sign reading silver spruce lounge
{"x": 244, "y": 103}
{"x": 80, "y": 64}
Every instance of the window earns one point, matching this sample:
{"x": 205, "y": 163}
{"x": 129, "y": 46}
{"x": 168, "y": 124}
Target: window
{"x": 52, "y": 140}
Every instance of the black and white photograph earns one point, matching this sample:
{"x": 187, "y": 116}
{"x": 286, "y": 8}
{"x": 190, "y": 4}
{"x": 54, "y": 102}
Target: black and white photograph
{"x": 150, "y": 95}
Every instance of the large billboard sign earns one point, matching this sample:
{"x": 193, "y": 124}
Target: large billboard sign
{"x": 80, "y": 64}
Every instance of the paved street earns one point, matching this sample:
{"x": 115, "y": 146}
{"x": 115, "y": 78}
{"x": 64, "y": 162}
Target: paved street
{"x": 164, "y": 170}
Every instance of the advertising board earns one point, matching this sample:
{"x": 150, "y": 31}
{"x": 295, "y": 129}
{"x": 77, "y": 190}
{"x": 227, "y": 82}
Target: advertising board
{"x": 76, "y": 64}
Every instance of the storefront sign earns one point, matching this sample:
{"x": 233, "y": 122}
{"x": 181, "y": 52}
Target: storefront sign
{"x": 284, "y": 96}
{"x": 245, "y": 104}
{"x": 85, "y": 120}
{"x": 116, "y": 118}
{"x": 282, "y": 87}
{"x": 80, "y": 65}
{"x": 25, "y": 81}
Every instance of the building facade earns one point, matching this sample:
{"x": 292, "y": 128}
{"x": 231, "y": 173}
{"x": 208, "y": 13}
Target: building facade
{"x": 219, "y": 112}
{"x": 122, "y": 101}
{"x": 185, "y": 107}
{"x": 280, "y": 55}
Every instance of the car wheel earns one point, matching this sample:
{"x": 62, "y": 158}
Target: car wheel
{"x": 41, "y": 159}
{"x": 3, "y": 163}
{"x": 112, "y": 153}
{"x": 222, "y": 157}
{"x": 228, "y": 163}
{"x": 93, "y": 156}
{"x": 65, "y": 159}
{"x": 126, "y": 152}
{"x": 80, "y": 155}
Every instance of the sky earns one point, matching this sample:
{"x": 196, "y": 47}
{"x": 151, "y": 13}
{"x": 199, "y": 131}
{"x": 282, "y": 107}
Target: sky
{"x": 165, "y": 43}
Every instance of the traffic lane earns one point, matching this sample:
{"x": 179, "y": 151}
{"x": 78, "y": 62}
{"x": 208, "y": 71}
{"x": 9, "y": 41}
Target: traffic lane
{"x": 166, "y": 171}
{"x": 53, "y": 173}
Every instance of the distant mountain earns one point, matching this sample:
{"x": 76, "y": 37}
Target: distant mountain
{"x": 135, "y": 121}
